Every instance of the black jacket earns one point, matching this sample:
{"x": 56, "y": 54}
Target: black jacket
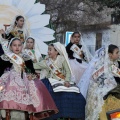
{"x": 70, "y": 52}
{"x": 6, "y": 64}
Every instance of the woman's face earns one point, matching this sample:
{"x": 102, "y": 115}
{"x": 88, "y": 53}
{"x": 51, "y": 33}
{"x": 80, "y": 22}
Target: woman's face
{"x": 30, "y": 44}
{"x": 76, "y": 38}
{"x": 20, "y": 22}
{"x": 16, "y": 47}
{"x": 52, "y": 53}
{"x": 115, "y": 54}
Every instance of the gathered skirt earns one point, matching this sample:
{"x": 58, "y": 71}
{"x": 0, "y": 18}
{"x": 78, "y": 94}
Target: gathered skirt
{"x": 77, "y": 69}
{"x": 69, "y": 104}
{"x": 23, "y": 95}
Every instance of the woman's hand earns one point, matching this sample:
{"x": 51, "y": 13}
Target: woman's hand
{"x": 35, "y": 61}
{"x": 29, "y": 76}
{"x": 67, "y": 84}
{"x": 81, "y": 54}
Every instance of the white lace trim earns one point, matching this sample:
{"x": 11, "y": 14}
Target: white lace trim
{"x": 95, "y": 98}
{"x": 100, "y": 87}
{"x": 19, "y": 90}
{"x": 23, "y": 55}
{"x": 5, "y": 58}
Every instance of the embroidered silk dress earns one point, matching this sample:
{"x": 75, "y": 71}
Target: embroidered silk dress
{"x": 19, "y": 93}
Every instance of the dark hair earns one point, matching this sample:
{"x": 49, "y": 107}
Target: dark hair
{"x": 14, "y": 40}
{"x": 111, "y": 48}
{"x": 17, "y": 18}
{"x": 54, "y": 47}
{"x": 31, "y": 38}
{"x": 75, "y": 33}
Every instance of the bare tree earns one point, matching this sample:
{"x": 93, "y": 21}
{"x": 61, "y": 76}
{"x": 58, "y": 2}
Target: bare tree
{"x": 71, "y": 15}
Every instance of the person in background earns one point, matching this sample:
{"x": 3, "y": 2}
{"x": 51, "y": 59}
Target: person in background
{"x": 32, "y": 50}
{"x": 17, "y": 29}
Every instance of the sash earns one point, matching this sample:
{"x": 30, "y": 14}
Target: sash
{"x": 5, "y": 46}
{"x": 16, "y": 59}
{"x": 30, "y": 54}
{"x": 58, "y": 86}
{"x": 98, "y": 72}
{"x": 54, "y": 69}
{"x": 77, "y": 51}
{"x": 115, "y": 70}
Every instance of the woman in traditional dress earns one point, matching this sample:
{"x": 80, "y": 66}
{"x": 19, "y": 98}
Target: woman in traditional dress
{"x": 77, "y": 56}
{"x": 70, "y": 104}
{"x": 80, "y": 62}
{"x": 20, "y": 89}
{"x": 103, "y": 94}
{"x": 17, "y": 29}
{"x": 32, "y": 50}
